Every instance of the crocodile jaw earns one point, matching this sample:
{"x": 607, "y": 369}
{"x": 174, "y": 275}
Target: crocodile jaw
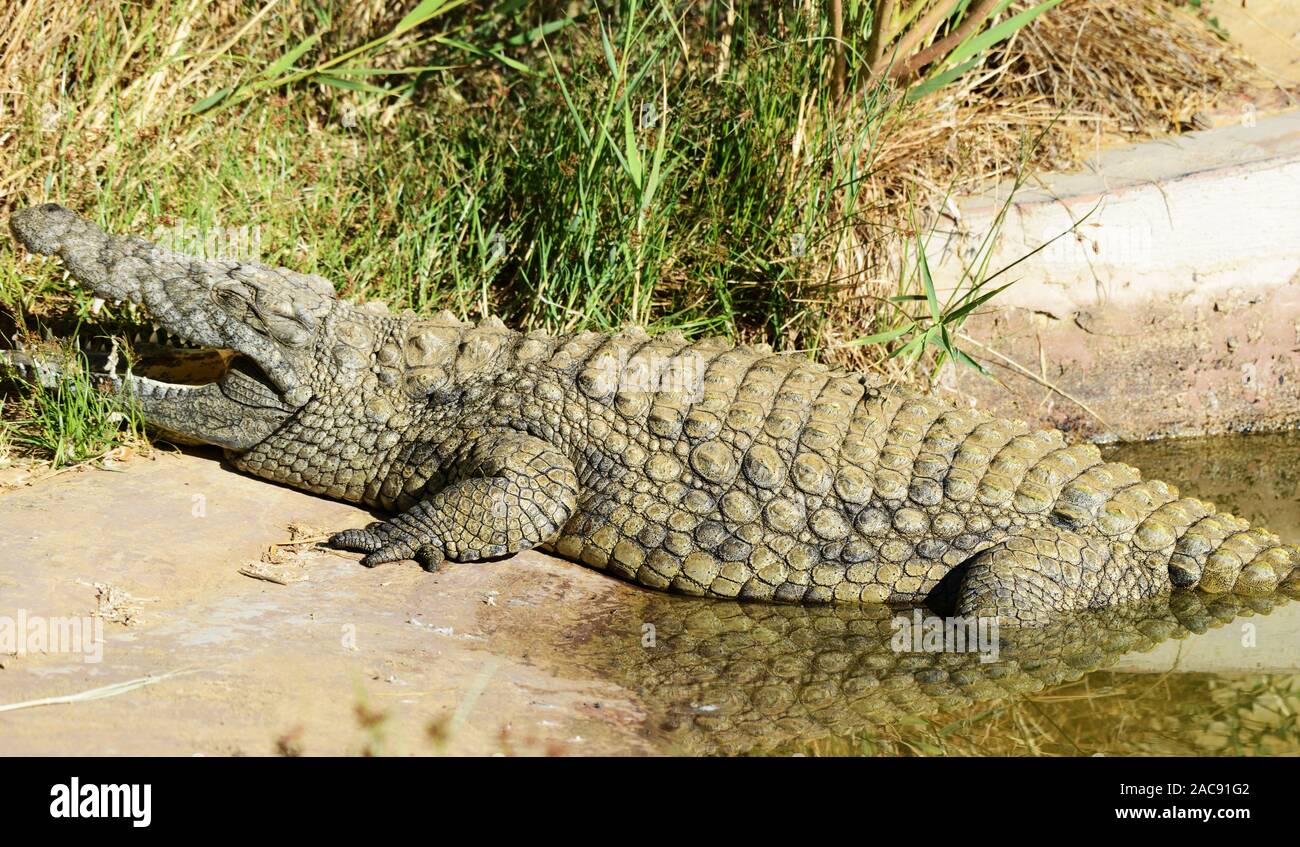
{"x": 259, "y": 312}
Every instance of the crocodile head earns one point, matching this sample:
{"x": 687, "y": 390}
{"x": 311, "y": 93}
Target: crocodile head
{"x": 269, "y": 319}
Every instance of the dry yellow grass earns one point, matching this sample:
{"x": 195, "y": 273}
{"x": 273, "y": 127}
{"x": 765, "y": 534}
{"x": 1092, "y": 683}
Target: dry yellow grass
{"x": 1088, "y": 74}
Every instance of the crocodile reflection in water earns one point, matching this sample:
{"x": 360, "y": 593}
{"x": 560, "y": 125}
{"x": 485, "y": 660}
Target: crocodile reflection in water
{"x": 734, "y": 677}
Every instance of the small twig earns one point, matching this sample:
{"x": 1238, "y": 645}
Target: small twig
{"x": 921, "y": 30}
{"x": 881, "y": 21}
{"x": 265, "y": 577}
{"x": 1035, "y": 377}
{"x": 314, "y": 539}
{"x": 724, "y": 48}
{"x": 837, "y": 29}
{"x": 94, "y": 693}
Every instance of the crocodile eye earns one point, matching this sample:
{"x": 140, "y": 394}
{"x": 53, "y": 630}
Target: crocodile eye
{"x": 304, "y": 317}
{"x": 289, "y": 322}
{"x": 290, "y": 333}
{"x": 232, "y": 298}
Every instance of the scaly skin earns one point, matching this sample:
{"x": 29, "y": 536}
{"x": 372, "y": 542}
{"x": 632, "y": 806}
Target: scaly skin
{"x": 701, "y": 468}
{"x": 733, "y": 677}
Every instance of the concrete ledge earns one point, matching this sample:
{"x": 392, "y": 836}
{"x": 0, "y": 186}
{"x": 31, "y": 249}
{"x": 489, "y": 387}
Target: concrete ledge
{"x": 1246, "y": 646}
{"x": 1173, "y": 308}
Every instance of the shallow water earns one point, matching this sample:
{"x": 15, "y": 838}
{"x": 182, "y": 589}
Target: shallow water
{"x": 1194, "y": 675}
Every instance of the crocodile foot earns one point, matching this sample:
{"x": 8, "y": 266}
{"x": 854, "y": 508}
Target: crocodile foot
{"x": 382, "y": 542}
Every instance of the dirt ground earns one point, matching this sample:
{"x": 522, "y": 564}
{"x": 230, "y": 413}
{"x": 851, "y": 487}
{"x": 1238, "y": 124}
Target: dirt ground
{"x": 1267, "y": 30}
{"x": 338, "y": 660}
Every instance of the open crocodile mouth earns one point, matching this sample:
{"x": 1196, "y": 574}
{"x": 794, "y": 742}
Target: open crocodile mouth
{"x": 188, "y": 393}
{"x": 159, "y": 364}
{"x": 170, "y": 359}
{"x": 169, "y": 365}
{"x": 229, "y": 337}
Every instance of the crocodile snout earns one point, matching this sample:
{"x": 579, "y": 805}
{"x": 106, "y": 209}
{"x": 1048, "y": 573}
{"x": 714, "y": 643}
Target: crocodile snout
{"x": 41, "y": 228}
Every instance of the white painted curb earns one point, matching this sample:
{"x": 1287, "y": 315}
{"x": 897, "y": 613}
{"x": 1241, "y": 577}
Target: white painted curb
{"x": 1182, "y": 217}
{"x": 1172, "y": 309}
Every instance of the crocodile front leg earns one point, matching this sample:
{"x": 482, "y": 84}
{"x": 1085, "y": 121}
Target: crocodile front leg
{"x": 512, "y": 492}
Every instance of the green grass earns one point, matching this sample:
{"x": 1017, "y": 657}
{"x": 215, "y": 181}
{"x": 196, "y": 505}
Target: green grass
{"x": 68, "y": 421}
{"x": 618, "y": 181}
{"x": 617, "y": 167}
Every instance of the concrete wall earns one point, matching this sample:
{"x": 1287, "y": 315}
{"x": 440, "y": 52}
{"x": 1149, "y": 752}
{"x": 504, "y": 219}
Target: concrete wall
{"x": 1171, "y": 306}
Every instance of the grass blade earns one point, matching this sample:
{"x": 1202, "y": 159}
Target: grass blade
{"x": 998, "y": 33}
{"x": 422, "y": 13}
{"x": 211, "y": 100}
{"x": 880, "y": 337}
{"x": 286, "y": 61}
{"x": 94, "y": 693}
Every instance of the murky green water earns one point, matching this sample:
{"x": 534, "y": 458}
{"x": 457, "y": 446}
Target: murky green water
{"x": 1189, "y": 676}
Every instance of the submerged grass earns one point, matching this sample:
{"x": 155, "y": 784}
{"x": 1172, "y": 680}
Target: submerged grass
{"x": 1110, "y": 714}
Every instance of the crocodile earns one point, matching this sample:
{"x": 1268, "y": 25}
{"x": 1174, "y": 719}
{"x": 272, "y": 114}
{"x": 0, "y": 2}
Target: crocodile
{"x": 701, "y": 467}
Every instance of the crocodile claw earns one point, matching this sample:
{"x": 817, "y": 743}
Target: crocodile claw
{"x": 383, "y": 543}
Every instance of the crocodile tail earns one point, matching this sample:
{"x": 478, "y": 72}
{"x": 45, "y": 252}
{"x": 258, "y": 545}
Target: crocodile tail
{"x": 1214, "y": 551}
{"x": 1198, "y": 545}
{"x": 1222, "y": 553}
